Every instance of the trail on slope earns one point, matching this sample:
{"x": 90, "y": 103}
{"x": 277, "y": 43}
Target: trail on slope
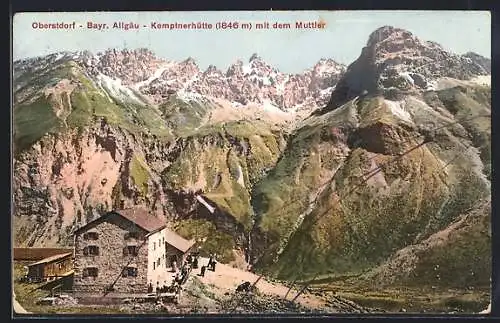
{"x": 226, "y": 279}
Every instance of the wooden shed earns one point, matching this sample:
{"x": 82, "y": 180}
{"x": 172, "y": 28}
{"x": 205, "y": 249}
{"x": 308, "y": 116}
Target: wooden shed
{"x": 51, "y": 268}
{"x": 176, "y": 247}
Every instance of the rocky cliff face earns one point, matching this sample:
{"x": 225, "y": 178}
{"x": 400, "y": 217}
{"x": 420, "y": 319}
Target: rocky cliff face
{"x": 396, "y": 156}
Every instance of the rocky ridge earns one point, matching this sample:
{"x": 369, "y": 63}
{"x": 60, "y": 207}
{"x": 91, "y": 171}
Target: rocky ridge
{"x": 395, "y": 63}
{"x": 254, "y": 82}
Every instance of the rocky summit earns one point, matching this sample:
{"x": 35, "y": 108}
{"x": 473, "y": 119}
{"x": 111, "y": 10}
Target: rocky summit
{"x": 378, "y": 173}
{"x": 396, "y": 63}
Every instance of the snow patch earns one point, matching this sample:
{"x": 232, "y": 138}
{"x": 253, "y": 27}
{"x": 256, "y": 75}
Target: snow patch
{"x": 59, "y": 56}
{"x": 205, "y": 203}
{"x": 155, "y": 75}
{"x": 327, "y": 91}
{"x": 268, "y": 106}
{"x": 398, "y": 111}
{"x": 246, "y": 69}
{"x": 115, "y": 89}
{"x": 189, "y": 96}
{"x": 431, "y": 85}
{"x": 240, "y": 179}
{"x": 407, "y": 77}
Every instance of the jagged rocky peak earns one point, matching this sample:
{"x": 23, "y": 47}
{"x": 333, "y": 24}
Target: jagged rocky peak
{"x": 189, "y": 61}
{"x": 212, "y": 70}
{"x": 189, "y": 67}
{"x": 254, "y": 57}
{"x": 396, "y": 63}
{"x": 328, "y": 65}
{"x": 131, "y": 66}
{"x": 387, "y": 33}
{"x": 127, "y": 54}
{"x": 235, "y": 69}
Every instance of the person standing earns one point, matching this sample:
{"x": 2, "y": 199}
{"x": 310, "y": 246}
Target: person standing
{"x": 202, "y": 272}
{"x": 210, "y": 260}
{"x": 195, "y": 263}
{"x": 174, "y": 266}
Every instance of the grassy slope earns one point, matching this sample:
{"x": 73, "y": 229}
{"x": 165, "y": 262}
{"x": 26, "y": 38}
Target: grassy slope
{"x": 32, "y": 121}
{"x": 362, "y": 229}
{"x": 201, "y": 161}
{"x": 463, "y": 248}
{"x": 469, "y": 102}
{"x": 467, "y": 250}
{"x": 35, "y": 118}
{"x": 303, "y": 168}
{"x": 139, "y": 173}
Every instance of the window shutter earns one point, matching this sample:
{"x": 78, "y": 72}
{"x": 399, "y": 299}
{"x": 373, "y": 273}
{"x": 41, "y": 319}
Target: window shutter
{"x": 124, "y": 272}
{"x": 86, "y": 251}
{"x": 97, "y": 251}
{"x": 85, "y": 236}
{"x": 125, "y": 251}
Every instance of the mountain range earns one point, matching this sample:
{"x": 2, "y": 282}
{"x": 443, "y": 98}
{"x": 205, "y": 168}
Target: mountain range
{"x": 379, "y": 170}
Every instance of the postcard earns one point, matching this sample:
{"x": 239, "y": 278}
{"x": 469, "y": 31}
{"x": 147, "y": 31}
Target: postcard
{"x": 258, "y": 162}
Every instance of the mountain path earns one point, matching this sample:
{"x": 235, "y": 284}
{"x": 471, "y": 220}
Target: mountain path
{"x": 227, "y": 278}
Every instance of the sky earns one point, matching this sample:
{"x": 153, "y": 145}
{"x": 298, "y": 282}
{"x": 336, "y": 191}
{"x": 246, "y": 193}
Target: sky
{"x": 291, "y": 50}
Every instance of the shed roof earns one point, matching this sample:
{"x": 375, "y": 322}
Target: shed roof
{"x": 177, "y": 241}
{"x": 51, "y": 259}
{"x": 35, "y": 254}
{"x": 138, "y": 215}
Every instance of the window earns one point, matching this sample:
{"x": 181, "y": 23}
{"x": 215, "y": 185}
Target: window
{"x": 154, "y": 265}
{"x": 154, "y": 245}
{"x": 90, "y": 236}
{"x": 129, "y": 272}
{"x": 91, "y": 251}
{"x": 90, "y": 272}
{"x": 130, "y": 251}
{"x": 159, "y": 262}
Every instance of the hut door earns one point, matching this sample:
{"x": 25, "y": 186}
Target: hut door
{"x": 172, "y": 259}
